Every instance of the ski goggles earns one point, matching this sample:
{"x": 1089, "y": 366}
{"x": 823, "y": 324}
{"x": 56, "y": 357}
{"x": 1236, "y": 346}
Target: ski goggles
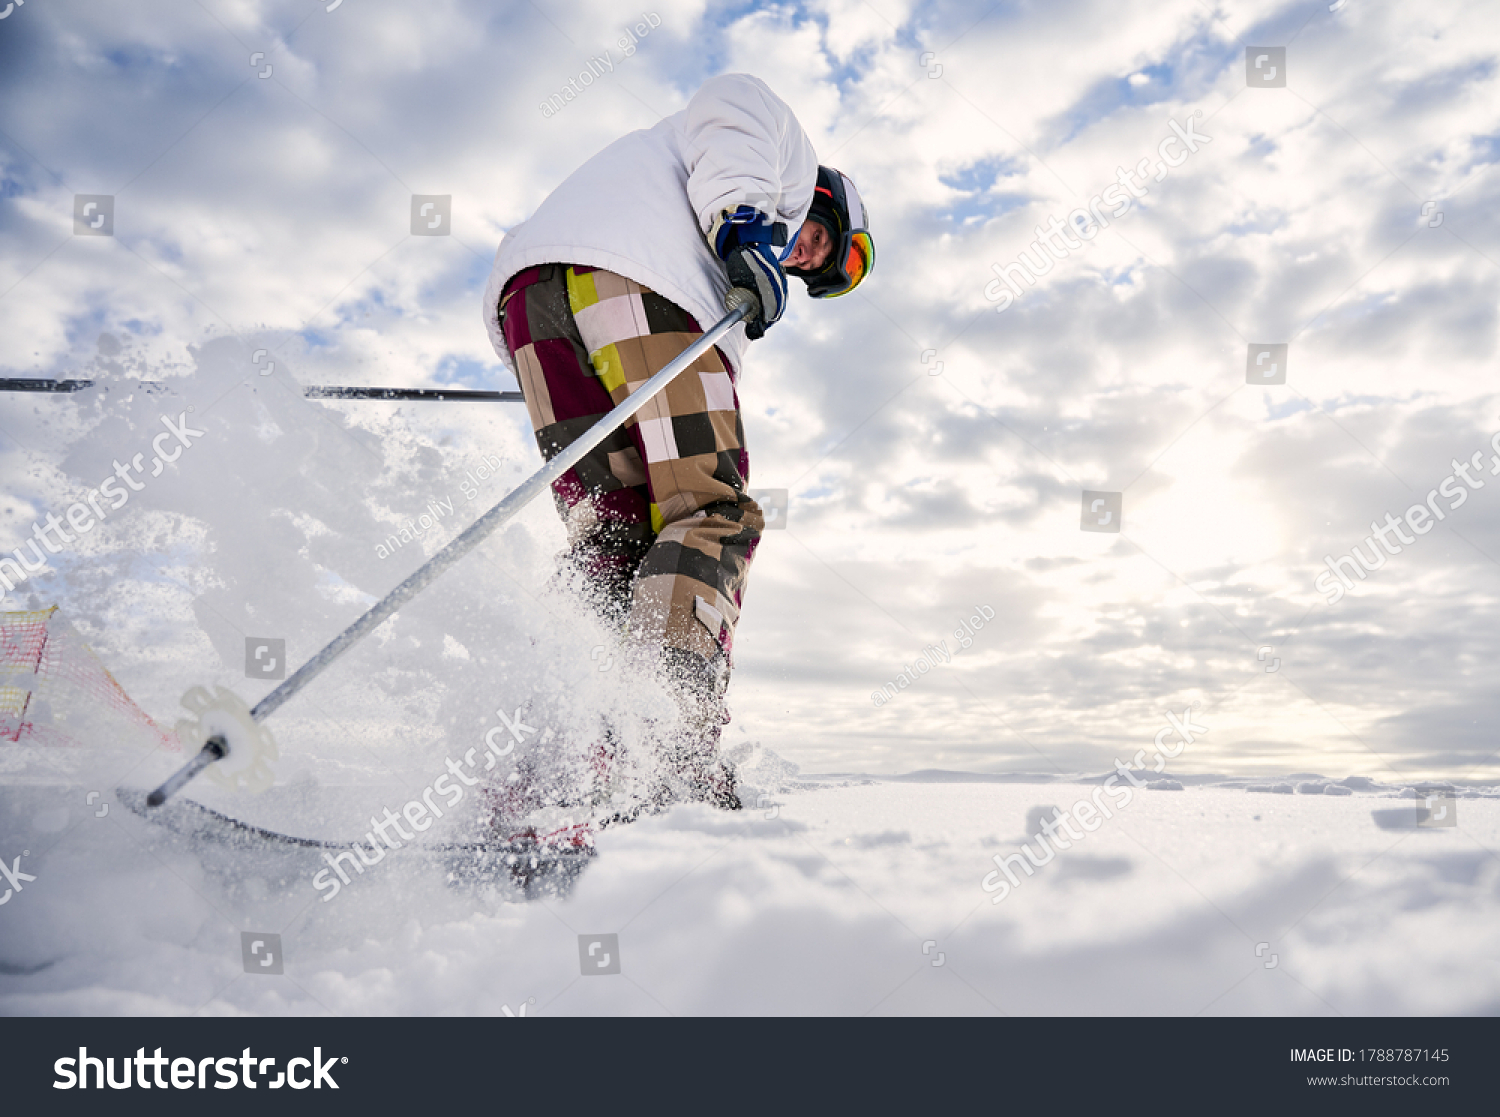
{"x": 853, "y": 255}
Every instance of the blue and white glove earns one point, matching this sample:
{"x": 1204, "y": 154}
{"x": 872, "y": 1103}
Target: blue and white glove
{"x": 744, "y": 240}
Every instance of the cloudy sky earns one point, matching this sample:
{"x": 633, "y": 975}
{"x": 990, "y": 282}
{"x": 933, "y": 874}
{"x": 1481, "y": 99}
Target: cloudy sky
{"x": 936, "y": 439}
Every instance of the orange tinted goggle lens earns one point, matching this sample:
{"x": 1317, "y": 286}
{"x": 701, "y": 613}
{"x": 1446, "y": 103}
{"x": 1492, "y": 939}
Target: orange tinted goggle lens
{"x": 861, "y": 250}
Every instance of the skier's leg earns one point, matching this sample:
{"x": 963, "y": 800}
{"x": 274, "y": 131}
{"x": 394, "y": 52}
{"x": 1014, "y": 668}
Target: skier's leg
{"x": 689, "y": 586}
{"x": 603, "y": 501}
{"x": 664, "y": 500}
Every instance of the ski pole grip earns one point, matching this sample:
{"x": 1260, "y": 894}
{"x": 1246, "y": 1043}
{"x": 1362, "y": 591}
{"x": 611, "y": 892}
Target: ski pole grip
{"x": 741, "y": 296}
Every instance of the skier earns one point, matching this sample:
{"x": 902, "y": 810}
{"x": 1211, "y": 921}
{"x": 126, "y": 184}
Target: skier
{"x": 617, "y": 272}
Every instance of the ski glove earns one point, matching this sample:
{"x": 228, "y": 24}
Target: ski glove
{"x": 755, "y": 268}
{"x": 744, "y": 240}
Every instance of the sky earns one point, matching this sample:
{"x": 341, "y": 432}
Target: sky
{"x": 936, "y": 431}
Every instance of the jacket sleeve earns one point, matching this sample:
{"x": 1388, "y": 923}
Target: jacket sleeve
{"x": 743, "y": 146}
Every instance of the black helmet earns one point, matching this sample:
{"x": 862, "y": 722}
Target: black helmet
{"x": 838, "y": 208}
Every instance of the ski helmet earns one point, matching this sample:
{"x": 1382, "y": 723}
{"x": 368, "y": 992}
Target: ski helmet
{"x": 838, "y": 207}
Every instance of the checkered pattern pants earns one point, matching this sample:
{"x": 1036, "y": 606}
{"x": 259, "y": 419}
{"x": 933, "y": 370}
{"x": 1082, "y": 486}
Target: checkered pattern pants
{"x": 659, "y": 523}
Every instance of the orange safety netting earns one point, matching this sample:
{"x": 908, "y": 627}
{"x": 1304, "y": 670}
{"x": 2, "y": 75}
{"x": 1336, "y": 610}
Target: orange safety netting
{"x": 55, "y": 691}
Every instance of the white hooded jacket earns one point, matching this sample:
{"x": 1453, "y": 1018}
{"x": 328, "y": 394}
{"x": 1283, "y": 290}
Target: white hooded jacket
{"x": 642, "y": 206}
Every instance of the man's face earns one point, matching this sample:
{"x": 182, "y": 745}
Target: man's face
{"x": 812, "y": 248}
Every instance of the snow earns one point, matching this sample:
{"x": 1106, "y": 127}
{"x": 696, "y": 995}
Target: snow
{"x": 834, "y": 895}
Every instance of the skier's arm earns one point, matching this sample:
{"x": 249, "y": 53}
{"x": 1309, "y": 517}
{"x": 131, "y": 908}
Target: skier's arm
{"x": 744, "y": 147}
{"x": 751, "y": 170}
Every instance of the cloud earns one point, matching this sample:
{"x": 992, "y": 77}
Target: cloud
{"x": 274, "y": 213}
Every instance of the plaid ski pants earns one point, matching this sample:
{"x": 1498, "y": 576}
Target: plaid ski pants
{"x": 659, "y": 523}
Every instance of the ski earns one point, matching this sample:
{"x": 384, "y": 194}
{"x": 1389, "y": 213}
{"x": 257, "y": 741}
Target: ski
{"x": 534, "y": 866}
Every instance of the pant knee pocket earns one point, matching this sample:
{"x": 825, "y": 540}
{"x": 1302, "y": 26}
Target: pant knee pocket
{"x": 718, "y": 617}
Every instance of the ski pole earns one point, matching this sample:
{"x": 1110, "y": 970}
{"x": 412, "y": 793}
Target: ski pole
{"x": 462, "y": 395}
{"x": 742, "y": 304}
{"x": 14, "y": 384}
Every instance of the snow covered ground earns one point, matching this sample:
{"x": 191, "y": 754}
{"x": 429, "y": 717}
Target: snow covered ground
{"x": 837, "y": 894}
